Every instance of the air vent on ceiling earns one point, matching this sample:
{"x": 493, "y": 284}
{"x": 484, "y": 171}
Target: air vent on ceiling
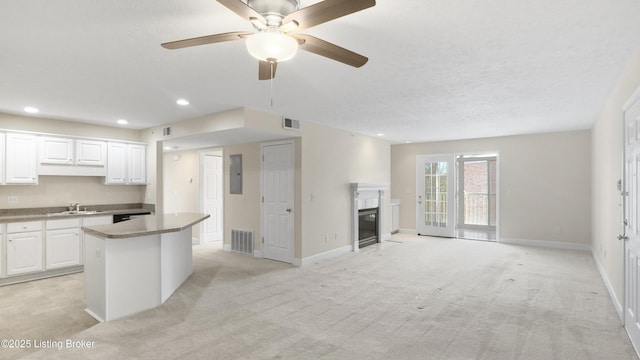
{"x": 290, "y": 124}
{"x": 166, "y": 131}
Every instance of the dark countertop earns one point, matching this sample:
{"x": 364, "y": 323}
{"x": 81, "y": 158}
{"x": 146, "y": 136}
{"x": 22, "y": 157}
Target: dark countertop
{"x": 146, "y": 225}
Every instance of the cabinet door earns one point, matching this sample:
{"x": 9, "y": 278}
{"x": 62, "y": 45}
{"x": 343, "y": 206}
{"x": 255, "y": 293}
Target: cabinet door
{"x": 21, "y": 159}
{"x": 2, "y": 146}
{"x": 56, "y": 150}
{"x": 1, "y": 251}
{"x": 116, "y": 163}
{"x": 137, "y": 164}
{"x": 24, "y": 252}
{"x": 91, "y": 153}
{"x": 62, "y": 248}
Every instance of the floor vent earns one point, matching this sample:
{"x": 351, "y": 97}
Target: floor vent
{"x": 242, "y": 241}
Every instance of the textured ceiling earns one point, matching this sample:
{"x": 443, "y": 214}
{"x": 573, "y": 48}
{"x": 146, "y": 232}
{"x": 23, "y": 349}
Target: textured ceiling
{"x": 437, "y": 70}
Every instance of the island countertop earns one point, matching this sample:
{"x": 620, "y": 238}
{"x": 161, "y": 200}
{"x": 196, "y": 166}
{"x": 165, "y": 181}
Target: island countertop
{"x": 146, "y": 225}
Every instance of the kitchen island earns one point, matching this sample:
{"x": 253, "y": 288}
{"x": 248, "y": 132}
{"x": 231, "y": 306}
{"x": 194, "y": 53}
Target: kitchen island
{"x": 135, "y": 265}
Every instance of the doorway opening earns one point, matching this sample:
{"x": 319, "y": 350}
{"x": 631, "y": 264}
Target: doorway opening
{"x": 477, "y": 196}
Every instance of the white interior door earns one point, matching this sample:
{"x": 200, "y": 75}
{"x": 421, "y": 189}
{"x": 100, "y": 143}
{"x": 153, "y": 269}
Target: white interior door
{"x": 435, "y": 195}
{"x": 631, "y": 221}
{"x": 212, "y": 197}
{"x": 277, "y": 201}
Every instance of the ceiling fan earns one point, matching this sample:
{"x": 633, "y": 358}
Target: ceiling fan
{"x": 278, "y": 22}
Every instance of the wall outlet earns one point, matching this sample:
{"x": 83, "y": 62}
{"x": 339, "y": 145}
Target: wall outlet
{"x": 12, "y": 199}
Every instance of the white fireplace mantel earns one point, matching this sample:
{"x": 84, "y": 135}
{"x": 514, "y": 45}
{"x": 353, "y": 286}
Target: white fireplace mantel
{"x": 367, "y": 196}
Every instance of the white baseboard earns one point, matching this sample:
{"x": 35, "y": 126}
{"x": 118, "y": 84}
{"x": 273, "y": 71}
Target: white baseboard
{"x": 549, "y": 244}
{"x": 616, "y": 303}
{"x": 257, "y": 253}
{"x": 386, "y": 236}
{"x": 93, "y": 315}
{"x": 323, "y": 256}
{"x": 226, "y": 247}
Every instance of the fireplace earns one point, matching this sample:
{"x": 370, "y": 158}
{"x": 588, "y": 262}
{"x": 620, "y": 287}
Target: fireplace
{"x": 367, "y": 227}
{"x": 368, "y": 213}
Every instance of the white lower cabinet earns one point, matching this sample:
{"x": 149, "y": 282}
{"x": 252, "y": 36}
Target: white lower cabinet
{"x": 24, "y": 249}
{"x": 63, "y": 247}
{"x": 2, "y": 273}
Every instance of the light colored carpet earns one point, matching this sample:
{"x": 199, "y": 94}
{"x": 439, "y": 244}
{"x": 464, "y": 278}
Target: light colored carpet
{"x": 411, "y": 298}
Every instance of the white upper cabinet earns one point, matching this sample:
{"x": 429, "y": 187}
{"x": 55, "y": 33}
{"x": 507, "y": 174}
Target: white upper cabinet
{"x": 72, "y": 157}
{"x": 116, "y": 163}
{"x": 56, "y": 150}
{"x": 126, "y": 164}
{"x": 2, "y": 141}
{"x": 137, "y": 164}
{"x": 91, "y": 153}
{"x": 21, "y": 159}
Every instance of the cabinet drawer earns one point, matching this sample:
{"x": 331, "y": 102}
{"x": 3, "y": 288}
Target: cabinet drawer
{"x": 24, "y": 226}
{"x": 63, "y": 223}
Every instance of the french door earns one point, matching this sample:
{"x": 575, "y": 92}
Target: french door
{"x": 631, "y": 194}
{"x": 435, "y": 210}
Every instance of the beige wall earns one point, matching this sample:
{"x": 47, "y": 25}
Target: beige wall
{"x": 544, "y": 183}
{"x": 242, "y": 211}
{"x": 182, "y": 183}
{"x": 226, "y": 120}
{"x": 607, "y": 148}
{"x": 332, "y": 159}
{"x": 62, "y": 190}
{"x": 53, "y": 191}
{"x": 329, "y": 160}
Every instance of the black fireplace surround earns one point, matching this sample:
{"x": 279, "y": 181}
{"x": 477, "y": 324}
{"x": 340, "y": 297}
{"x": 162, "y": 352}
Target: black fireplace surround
{"x": 367, "y": 227}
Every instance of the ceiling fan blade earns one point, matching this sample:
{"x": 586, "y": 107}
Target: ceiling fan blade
{"x": 324, "y": 11}
{"x": 243, "y": 10}
{"x": 329, "y": 50}
{"x": 203, "y": 40}
{"x": 267, "y": 70}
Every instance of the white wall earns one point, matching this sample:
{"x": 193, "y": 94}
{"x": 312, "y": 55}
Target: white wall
{"x": 607, "y": 150}
{"x": 544, "y": 181}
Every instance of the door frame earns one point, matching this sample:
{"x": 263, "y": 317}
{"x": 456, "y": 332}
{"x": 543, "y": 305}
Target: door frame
{"x": 291, "y": 143}
{"x": 497, "y": 154}
{"x": 201, "y": 154}
{"x": 623, "y": 190}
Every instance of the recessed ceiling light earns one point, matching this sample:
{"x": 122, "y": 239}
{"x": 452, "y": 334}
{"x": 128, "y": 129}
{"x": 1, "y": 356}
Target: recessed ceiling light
{"x": 122, "y": 122}
{"x": 31, "y": 110}
{"x": 168, "y": 148}
{"x": 407, "y": 142}
{"x": 182, "y": 102}
{"x": 380, "y": 134}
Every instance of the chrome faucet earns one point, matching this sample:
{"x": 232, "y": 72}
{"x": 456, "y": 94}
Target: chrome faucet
{"x": 74, "y": 207}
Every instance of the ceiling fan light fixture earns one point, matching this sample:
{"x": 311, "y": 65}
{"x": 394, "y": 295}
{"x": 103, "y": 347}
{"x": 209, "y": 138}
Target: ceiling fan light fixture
{"x": 268, "y": 45}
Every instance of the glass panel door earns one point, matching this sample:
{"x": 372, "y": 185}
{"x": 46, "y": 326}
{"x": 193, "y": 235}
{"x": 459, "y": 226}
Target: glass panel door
{"x": 435, "y": 189}
{"x": 477, "y": 190}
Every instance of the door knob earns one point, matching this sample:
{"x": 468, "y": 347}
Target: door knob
{"x": 623, "y": 237}
{"x": 289, "y": 210}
